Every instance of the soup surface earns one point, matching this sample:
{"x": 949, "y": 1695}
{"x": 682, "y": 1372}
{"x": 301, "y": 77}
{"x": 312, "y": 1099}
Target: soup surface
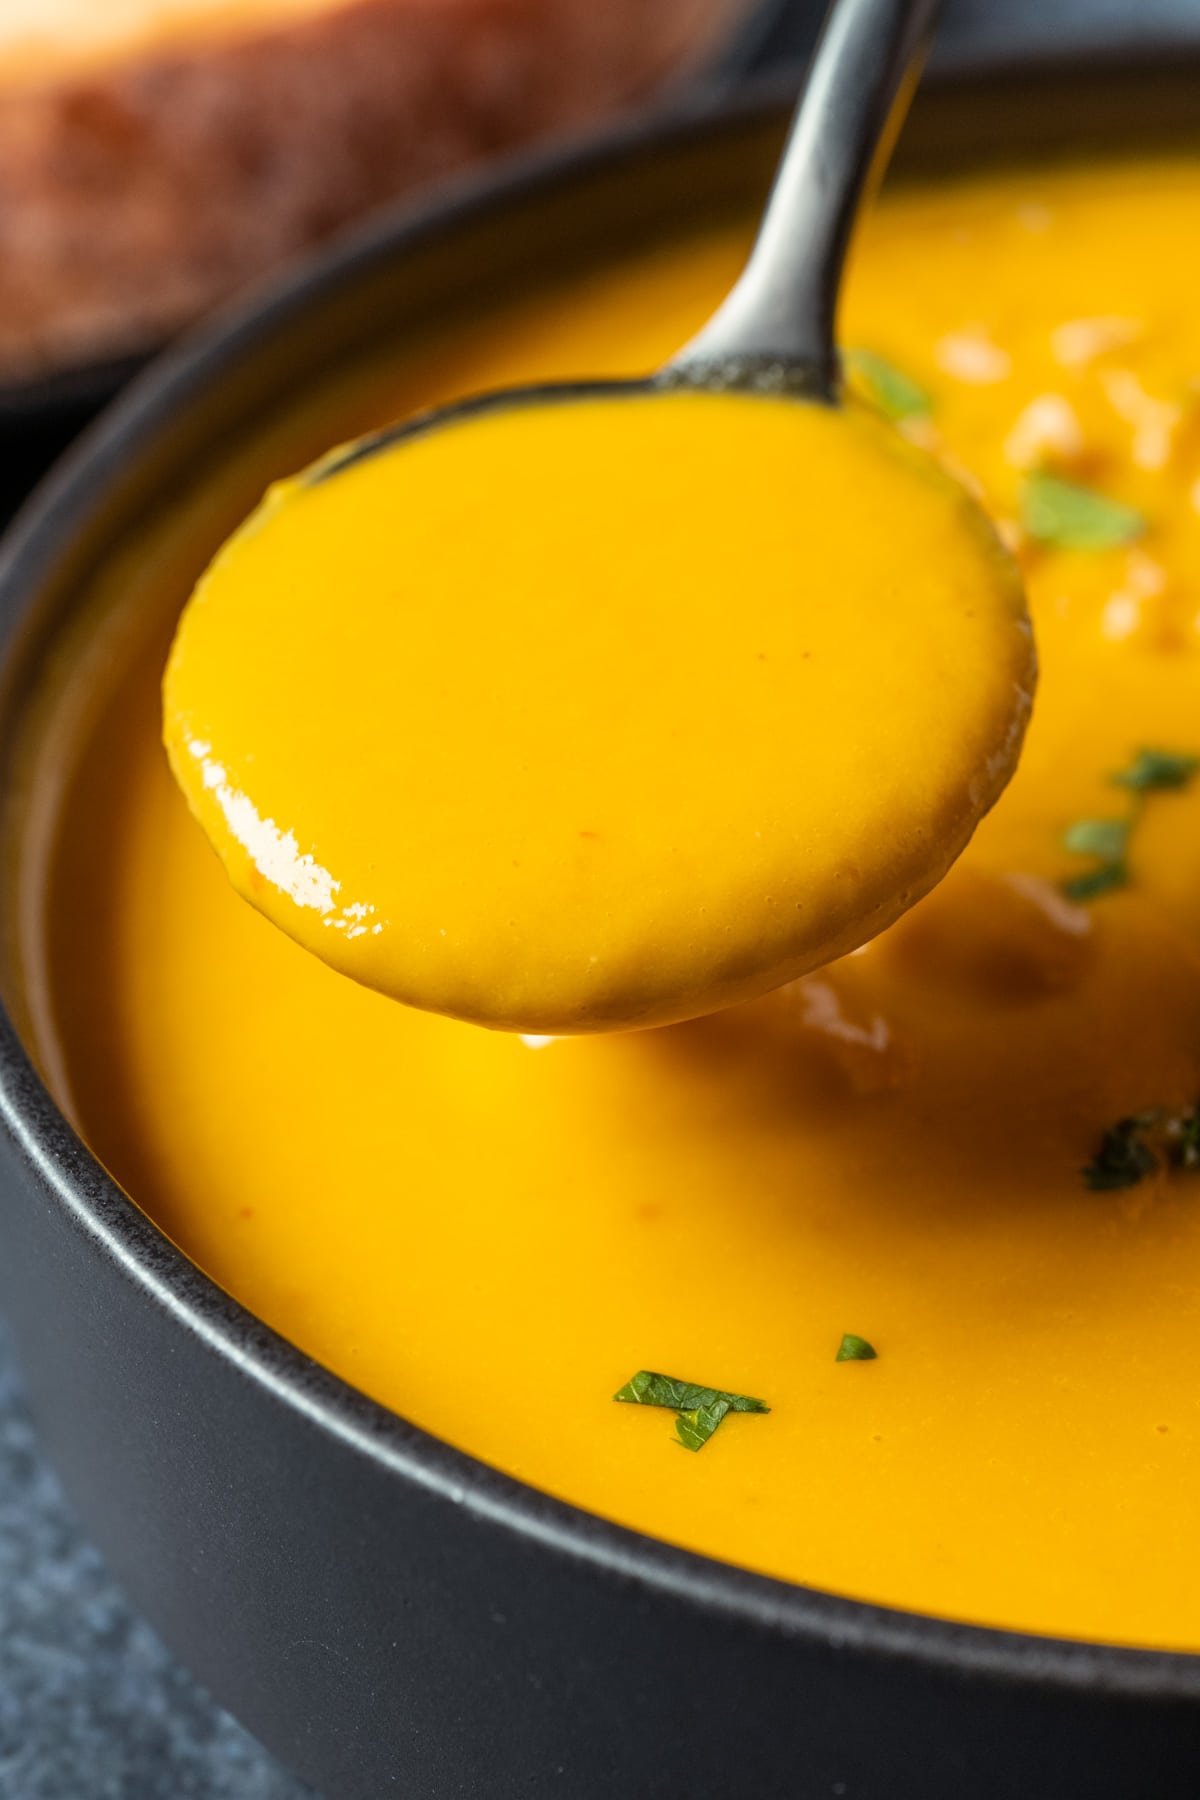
{"x": 493, "y": 1235}
{"x": 601, "y": 711}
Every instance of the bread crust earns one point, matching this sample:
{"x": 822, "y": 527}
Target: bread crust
{"x": 135, "y": 195}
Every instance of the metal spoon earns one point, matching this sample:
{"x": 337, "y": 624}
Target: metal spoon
{"x": 776, "y": 328}
{"x": 775, "y": 331}
{"x": 773, "y": 335}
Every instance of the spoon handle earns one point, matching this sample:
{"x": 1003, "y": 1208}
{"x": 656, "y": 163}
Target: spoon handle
{"x": 777, "y": 324}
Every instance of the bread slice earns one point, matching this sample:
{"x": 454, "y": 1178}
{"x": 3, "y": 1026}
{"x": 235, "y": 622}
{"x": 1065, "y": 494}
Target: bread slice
{"x": 156, "y": 155}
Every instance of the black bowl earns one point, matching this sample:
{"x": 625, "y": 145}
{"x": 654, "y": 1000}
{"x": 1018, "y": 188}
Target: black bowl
{"x": 389, "y": 1615}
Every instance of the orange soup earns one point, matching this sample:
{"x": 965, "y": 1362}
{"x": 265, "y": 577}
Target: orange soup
{"x": 966, "y": 1149}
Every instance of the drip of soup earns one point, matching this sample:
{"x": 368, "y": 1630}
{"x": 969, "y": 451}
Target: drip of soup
{"x": 967, "y": 1145}
{"x": 597, "y": 711}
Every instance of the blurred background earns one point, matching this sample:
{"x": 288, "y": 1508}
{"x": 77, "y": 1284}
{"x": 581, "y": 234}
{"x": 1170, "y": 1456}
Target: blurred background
{"x": 158, "y": 158}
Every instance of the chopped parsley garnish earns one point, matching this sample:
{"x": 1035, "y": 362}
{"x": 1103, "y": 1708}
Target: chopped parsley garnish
{"x": 1096, "y": 882}
{"x": 1142, "y": 1144}
{"x": 693, "y": 1429}
{"x": 699, "y": 1409}
{"x": 896, "y": 394}
{"x": 1106, "y": 838}
{"x": 1072, "y": 517}
{"x": 1150, "y": 772}
{"x": 1123, "y": 1157}
{"x": 1157, "y": 771}
{"x": 855, "y": 1349}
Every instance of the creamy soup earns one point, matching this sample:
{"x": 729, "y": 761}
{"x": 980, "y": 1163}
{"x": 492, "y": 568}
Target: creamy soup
{"x": 965, "y": 1149}
{"x": 578, "y": 713}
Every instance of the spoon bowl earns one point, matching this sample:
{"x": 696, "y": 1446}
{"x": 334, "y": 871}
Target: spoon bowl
{"x": 583, "y": 807}
{"x": 532, "y": 692}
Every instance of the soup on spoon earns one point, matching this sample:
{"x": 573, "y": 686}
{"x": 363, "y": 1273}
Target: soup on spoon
{"x": 570, "y": 709}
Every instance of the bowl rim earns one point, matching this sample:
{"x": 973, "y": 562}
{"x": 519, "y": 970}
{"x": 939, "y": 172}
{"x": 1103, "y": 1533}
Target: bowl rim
{"x": 49, "y": 524}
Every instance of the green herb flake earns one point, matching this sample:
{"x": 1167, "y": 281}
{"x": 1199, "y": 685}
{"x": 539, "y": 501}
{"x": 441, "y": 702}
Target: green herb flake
{"x": 1141, "y": 1145}
{"x": 1124, "y": 1157}
{"x": 1185, "y": 1139}
{"x": 855, "y": 1349}
{"x": 1149, "y": 772}
{"x": 648, "y": 1389}
{"x": 1096, "y": 882}
{"x": 693, "y": 1429}
{"x": 1106, "y": 838}
{"x": 1071, "y": 517}
{"x": 895, "y": 394}
{"x": 699, "y": 1409}
{"x": 1157, "y": 771}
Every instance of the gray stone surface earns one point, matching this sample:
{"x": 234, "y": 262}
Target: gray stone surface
{"x": 92, "y": 1707}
